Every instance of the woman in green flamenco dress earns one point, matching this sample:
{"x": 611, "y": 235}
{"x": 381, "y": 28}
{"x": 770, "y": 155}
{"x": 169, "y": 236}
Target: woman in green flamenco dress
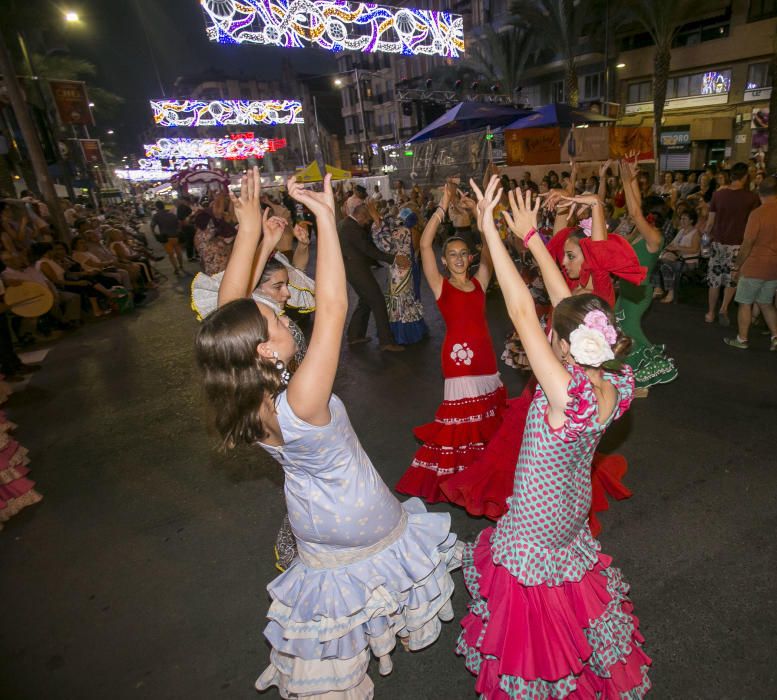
{"x": 650, "y": 363}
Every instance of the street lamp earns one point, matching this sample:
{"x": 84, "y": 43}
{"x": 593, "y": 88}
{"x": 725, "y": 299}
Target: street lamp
{"x": 91, "y": 104}
{"x": 72, "y": 17}
{"x": 620, "y": 65}
{"x": 338, "y": 82}
{"x": 110, "y": 132}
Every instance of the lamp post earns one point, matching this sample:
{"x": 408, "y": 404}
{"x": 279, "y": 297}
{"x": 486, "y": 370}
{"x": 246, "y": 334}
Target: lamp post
{"x": 362, "y": 116}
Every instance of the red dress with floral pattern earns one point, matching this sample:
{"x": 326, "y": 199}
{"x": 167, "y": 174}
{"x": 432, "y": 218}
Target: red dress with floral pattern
{"x": 474, "y": 399}
{"x": 550, "y": 616}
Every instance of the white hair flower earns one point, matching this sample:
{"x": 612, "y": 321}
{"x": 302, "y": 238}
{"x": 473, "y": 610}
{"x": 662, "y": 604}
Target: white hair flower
{"x": 589, "y": 346}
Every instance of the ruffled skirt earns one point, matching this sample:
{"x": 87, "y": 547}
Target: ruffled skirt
{"x": 325, "y": 622}
{"x": 462, "y": 427}
{"x": 577, "y": 640}
{"x": 16, "y": 490}
{"x": 483, "y": 489}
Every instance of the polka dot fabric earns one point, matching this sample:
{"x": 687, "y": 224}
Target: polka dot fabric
{"x": 550, "y": 617}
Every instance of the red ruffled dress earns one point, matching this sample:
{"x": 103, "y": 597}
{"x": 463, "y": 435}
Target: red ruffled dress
{"x": 483, "y": 489}
{"x": 550, "y": 616}
{"x": 474, "y": 398}
{"x": 16, "y": 490}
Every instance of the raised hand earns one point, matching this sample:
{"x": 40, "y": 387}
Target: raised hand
{"x": 524, "y": 215}
{"x": 487, "y": 200}
{"x": 246, "y": 206}
{"x": 320, "y": 203}
{"x": 603, "y": 168}
{"x": 588, "y": 200}
{"x": 274, "y": 226}
{"x": 302, "y": 233}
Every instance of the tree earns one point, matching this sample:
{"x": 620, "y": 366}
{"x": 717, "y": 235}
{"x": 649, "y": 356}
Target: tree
{"x": 500, "y": 57}
{"x": 661, "y": 19}
{"x": 560, "y": 24}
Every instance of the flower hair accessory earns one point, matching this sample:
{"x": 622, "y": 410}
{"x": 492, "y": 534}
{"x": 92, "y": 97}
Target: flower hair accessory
{"x": 591, "y": 342}
{"x": 586, "y": 225}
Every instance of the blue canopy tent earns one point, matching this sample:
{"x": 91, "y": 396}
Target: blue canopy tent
{"x": 466, "y": 117}
{"x": 558, "y": 115}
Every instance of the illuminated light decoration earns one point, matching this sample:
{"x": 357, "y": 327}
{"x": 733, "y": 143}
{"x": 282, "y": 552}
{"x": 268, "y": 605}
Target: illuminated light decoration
{"x": 714, "y": 83}
{"x": 226, "y": 112}
{"x": 174, "y": 164}
{"x": 228, "y": 149}
{"x": 335, "y": 25}
{"x": 144, "y": 175}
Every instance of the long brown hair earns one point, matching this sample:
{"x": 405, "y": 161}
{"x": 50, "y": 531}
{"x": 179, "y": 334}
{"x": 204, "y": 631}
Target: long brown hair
{"x": 570, "y": 314}
{"x": 235, "y": 377}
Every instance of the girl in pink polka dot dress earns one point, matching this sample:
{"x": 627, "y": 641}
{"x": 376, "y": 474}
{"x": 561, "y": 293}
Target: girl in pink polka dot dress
{"x": 550, "y": 616}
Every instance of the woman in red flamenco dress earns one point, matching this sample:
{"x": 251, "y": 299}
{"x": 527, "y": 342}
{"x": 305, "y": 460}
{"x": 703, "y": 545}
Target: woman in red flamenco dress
{"x": 589, "y": 259}
{"x": 474, "y": 396}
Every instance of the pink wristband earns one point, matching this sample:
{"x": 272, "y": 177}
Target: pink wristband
{"x": 528, "y": 236}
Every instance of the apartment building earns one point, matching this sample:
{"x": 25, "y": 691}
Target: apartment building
{"x": 719, "y": 87}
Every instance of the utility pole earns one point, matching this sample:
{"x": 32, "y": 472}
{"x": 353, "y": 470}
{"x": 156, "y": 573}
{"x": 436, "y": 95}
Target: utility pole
{"x": 30, "y": 135}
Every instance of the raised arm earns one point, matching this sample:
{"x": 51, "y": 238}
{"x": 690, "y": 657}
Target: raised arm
{"x": 311, "y": 387}
{"x": 302, "y": 251}
{"x": 551, "y": 374}
{"x": 653, "y": 237}
{"x": 486, "y": 266}
{"x": 603, "y": 170}
{"x": 428, "y": 259}
{"x": 554, "y": 281}
{"x": 598, "y": 223}
{"x": 237, "y": 276}
{"x": 273, "y": 228}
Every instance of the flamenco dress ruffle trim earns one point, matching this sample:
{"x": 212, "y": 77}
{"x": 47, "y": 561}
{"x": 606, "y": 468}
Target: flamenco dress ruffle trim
{"x": 16, "y": 490}
{"x": 325, "y": 622}
{"x": 575, "y": 639}
{"x": 484, "y": 487}
{"x": 652, "y": 366}
{"x": 452, "y": 442}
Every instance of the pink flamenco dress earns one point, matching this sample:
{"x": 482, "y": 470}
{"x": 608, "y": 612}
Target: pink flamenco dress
{"x": 474, "y": 397}
{"x": 16, "y": 490}
{"x": 484, "y": 488}
{"x": 550, "y": 616}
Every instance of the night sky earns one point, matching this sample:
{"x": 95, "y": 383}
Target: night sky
{"x": 111, "y": 36}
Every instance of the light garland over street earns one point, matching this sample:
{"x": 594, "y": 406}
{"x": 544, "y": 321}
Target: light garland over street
{"x": 335, "y": 25}
{"x": 226, "y": 112}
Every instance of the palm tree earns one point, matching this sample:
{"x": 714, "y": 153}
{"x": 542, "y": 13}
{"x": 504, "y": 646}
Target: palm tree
{"x": 661, "y": 19}
{"x": 500, "y": 57}
{"x": 560, "y": 23}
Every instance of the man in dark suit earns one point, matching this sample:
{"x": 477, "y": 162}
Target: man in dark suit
{"x": 359, "y": 254}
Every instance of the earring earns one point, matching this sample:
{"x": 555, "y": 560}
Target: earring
{"x": 282, "y": 369}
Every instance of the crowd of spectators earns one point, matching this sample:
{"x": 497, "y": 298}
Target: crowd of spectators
{"x": 103, "y": 266}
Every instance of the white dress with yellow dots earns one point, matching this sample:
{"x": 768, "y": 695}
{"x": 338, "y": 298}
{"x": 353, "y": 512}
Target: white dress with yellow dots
{"x": 369, "y": 567}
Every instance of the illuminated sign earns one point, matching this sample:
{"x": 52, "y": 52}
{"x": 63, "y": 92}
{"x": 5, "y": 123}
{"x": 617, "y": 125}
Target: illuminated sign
{"x": 226, "y": 112}
{"x": 335, "y": 25}
{"x": 228, "y": 149}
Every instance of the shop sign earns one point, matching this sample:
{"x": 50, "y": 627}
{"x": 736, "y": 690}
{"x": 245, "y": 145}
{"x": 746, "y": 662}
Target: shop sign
{"x": 676, "y": 141}
{"x": 759, "y": 95}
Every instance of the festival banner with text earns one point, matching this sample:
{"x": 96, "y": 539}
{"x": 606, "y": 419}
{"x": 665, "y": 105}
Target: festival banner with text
{"x": 72, "y": 102}
{"x": 93, "y": 154}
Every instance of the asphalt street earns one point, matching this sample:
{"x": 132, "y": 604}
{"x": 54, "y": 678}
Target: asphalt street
{"x": 142, "y": 574}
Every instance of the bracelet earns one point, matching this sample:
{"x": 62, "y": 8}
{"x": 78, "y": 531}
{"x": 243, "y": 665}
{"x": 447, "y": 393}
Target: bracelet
{"x": 442, "y": 212}
{"x": 528, "y": 236}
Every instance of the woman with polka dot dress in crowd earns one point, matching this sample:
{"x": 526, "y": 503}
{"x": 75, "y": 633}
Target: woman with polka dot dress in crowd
{"x": 369, "y": 568}
{"x": 474, "y": 396}
{"x": 550, "y": 616}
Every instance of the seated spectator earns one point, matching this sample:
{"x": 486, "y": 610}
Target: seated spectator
{"x": 680, "y": 255}
{"x": 66, "y": 311}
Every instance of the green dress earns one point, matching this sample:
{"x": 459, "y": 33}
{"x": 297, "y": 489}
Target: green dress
{"x": 649, "y": 362}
